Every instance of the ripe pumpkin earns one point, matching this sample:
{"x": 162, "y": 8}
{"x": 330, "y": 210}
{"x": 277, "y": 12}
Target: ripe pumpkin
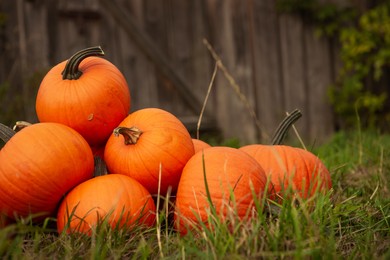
{"x": 144, "y": 141}
{"x": 87, "y": 93}
{"x": 291, "y": 167}
{"x": 116, "y": 198}
{"x": 38, "y": 165}
{"x": 226, "y": 170}
{"x": 199, "y": 145}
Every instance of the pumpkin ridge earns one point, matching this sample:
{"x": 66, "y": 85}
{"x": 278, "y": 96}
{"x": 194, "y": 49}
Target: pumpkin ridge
{"x": 10, "y": 200}
{"x": 295, "y": 167}
{"x": 164, "y": 171}
{"x": 19, "y": 155}
{"x": 93, "y": 81}
{"x": 147, "y": 167}
{"x": 133, "y": 169}
{"x": 309, "y": 174}
{"x": 64, "y": 145}
{"x": 82, "y": 93}
{"x": 318, "y": 183}
{"x": 157, "y": 147}
{"x": 68, "y": 91}
{"x": 18, "y": 188}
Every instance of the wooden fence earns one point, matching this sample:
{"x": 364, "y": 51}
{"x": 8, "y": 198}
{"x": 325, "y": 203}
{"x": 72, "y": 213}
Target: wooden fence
{"x": 276, "y": 63}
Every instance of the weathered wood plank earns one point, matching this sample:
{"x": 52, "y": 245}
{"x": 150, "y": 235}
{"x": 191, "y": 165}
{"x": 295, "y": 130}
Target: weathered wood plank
{"x": 319, "y": 77}
{"x": 294, "y": 69}
{"x": 268, "y": 68}
{"x": 228, "y": 18}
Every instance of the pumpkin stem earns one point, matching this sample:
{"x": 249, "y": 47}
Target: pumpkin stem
{"x": 100, "y": 167}
{"x": 284, "y": 126}
{"x": 6, "y": 133}
{"x": 71, "y": 70}
{"x": 131, "y": 134}
{"x": 19, "y": 125}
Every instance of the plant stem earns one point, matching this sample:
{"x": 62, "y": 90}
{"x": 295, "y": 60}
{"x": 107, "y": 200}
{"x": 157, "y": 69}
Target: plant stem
{"x": 71, "y": 70}
{"x": 131, "y": 134}
{"x": 206, "y": 98}
{"x": 284, "y": 126}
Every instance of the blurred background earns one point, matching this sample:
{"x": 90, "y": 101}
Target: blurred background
{"x": 330, "y": 59}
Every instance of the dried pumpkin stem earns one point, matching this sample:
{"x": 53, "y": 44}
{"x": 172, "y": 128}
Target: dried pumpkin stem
{"x": 131, "y": 134}
{"x": 284, "y": 126}
{"x": 6, "y": 133}
{"x": 19, "y": 125}
{"x": 100, "y": 166}
{"x": 71, "y": 70}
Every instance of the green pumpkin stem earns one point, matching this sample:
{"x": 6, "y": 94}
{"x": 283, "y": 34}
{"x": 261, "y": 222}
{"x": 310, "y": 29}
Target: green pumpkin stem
{"x": 284, "y": 126}
{"x": 71, "y": 70}
{"x": 6, "y": 133}
{"x": 131, "y": 134}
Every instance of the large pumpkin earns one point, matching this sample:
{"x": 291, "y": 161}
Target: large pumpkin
{"x": 38, "y": 165}
{"x": 87, "y": 93}
{"x": 148, "y": 143}
{"x": 227, "y": 171}
{"x": 291, "y": 168}
{"x": 115, "y": 198}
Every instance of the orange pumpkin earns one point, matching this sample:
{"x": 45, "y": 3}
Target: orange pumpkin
{"x": 147, "y": 140}
{"x": 200, "y": 145}
{"x": 87, "y": 93}
{"x": 116, "y": 198}
{"x": 227, "y": 171}
{"x": 38, "y": 165}
{"x": 291, "y": 168}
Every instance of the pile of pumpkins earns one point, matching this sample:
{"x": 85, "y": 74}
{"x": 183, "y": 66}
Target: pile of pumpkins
{"x": 83, "y": 104}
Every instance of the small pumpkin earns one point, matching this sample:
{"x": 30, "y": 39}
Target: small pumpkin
{"x": 147, "y": 143}
{"x": 199, "y": 145}
{"x": 38, "y": 165}
{"x": 291, "y": 168}
{"x": 115, "y": 198}
{"x": 226, "y": 171}
{"x": 87, "y": 93}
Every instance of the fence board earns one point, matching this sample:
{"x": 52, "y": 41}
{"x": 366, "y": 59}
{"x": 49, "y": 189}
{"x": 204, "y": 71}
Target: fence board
{"x": 229, "y": 40}
{"x": 319, "y": 77}
{"x": 267, "y": 55}
{"x": 294, "y": 69}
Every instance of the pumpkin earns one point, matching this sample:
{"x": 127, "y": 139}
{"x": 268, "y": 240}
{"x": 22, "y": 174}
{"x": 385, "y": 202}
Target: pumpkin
{"x": 227, "y": 171}
{"x": 38, "y": 165}
{"x": 291, "y": 168}
{"x": 150, "y": 142}
{"x": 87, "y": 93}
{"x": 199, "y": 145}
{"x": 115, "y": 198}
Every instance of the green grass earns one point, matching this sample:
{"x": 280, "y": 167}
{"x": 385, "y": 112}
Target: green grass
{"x": 352, "y": 221}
